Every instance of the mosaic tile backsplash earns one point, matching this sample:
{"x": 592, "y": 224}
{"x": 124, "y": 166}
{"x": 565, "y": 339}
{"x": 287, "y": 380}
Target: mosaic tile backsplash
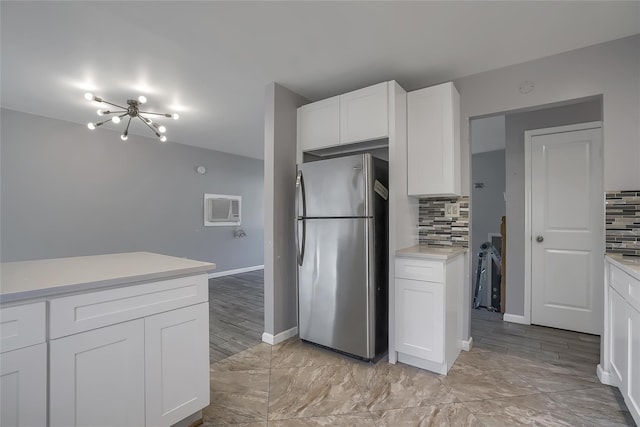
{"x": 623, "y": 222}
{"x": 435, "y": 229}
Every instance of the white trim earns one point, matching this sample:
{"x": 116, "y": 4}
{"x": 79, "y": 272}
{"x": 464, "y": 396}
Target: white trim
{"x": 236, "y": 271}
{"x": 466, "y": 345}
{"x": 528, "y": 134}
{"x": 282, "y": 336}
{"x": 190, "y": 420}
{"x": 605, "y": 377}
{"x": 516, "y": 318}
{"x": 438, "y": 368}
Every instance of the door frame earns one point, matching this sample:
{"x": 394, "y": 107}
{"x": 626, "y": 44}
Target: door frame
{"x": 528, "y": 136}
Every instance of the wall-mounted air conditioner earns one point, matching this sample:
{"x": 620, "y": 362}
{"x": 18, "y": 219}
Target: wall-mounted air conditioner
{"x": 221, "y": 209}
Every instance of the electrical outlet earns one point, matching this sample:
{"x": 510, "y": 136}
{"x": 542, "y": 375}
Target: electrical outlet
{"x": 452, "y": 210}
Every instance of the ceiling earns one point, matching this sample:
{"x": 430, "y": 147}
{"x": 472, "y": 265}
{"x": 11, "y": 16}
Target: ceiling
{"x": 211, "y": 61}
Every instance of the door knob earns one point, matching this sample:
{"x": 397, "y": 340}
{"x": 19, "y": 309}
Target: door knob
{"x": 539, "y": 239}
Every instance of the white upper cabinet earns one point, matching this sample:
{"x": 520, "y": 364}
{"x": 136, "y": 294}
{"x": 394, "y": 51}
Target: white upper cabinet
{"x": 433, "y": 141}
{"x": 361, "y": 115}
{"x": 364, "y": 114}
{"x": 319, "y": 124}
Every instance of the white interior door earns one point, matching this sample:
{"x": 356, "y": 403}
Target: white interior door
{"x": 567, "y": 220}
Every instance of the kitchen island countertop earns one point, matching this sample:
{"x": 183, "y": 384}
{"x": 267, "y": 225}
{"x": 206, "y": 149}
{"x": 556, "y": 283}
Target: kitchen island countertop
{"x": 430, "y": 252}
{"x": 48, "y": 277}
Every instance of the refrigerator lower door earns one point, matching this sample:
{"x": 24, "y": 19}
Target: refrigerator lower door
{"x": 336, "y": 287}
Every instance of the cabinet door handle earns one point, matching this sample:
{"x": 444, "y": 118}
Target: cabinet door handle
{"x": 540, "y": 239}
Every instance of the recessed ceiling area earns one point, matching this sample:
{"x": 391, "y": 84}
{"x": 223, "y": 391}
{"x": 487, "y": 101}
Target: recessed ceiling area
{"x": 211, "y": 61}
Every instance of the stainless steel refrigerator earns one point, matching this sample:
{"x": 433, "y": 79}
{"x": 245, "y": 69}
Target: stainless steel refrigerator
{"x": 341, "y": 211}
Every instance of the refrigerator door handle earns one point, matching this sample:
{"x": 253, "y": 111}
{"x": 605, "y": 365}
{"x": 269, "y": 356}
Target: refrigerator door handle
{"x": 300, "y": 197}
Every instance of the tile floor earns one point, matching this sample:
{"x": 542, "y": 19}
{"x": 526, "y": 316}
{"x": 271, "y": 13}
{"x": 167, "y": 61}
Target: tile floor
{"x": 515, "y": 375}
{"x": 298, "y": 384}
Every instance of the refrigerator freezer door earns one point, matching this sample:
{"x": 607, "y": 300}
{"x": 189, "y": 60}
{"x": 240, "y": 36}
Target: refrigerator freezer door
{"x": 336, "y": 287}
{"x": 338, "y": 187}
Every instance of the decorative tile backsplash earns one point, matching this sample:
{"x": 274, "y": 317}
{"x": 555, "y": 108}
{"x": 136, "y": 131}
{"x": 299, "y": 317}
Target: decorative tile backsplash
{"x": 435, "y": 229}
{"x": 623, "y": 222}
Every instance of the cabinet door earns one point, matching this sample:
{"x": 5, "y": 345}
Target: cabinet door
{"x": 420, "y": 319}
{"x": 364, "y": 114}
{"x": 633, "y": 378}
{"x": 23, "y": 387}
{"x": 177, "y": 364}
{"x": 618, "y": 350}
{"x": 97, "y": 377}
{"x": 433, "y": 141}
{"x": 319, "y": 124}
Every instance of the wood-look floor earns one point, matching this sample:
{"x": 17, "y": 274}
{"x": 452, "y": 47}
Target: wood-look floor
{"x": 557, "y": 346}
{"x": 236, "y": 313}
{"x": 236, "y": 320}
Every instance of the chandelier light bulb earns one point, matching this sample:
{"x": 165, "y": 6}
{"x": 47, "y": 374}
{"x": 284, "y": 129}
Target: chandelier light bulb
{"x": 162, "y": 129}
{"x": 142, "y": 99}
{"x": 100, "y": 112}
{"x": 89, "y": 96}
{"x": 124, "y": 136}
{"x": 175, "y": 116}
{"x": 91, "y": 126}
{"x": 163, "y": 138}
{"x": 115, "y": 119}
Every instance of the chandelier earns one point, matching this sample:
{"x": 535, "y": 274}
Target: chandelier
{"x": 132, "y": 111}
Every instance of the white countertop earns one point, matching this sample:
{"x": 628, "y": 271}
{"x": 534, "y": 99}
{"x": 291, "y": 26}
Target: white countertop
{"x": 629, "y": 264}
{"x": 430, "y": 252}
{"x": 40, "y": 278}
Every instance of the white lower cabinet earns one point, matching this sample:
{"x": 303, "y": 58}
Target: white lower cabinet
{"x": 619, "y": 334}
{"x": 426, "y": 311}
{"x": 97, "y": 377}
{"x": 620, "y": 357}
{"x": 150, "y": 369}
{"x": 177, "y": 364}
{"x": 419, "y": 329}
{"x": 23, "y": 387}
{"x": 633, "y": 388}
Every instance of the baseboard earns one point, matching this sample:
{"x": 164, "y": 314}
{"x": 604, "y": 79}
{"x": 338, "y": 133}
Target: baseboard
{"x": 282, "y": 336}
{"x": 466, "y": 345}
{"x": 604, "y": 376}
{"x": 192, "y": 420}
{"x": 515, "y": 318}
{"x": 236, "y": 271}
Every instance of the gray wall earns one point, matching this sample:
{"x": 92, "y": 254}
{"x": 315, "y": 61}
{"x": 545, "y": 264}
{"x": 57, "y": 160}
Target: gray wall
{"x": 609, "y": 69}
{"x": 488, "y": 202}
{"x": 515, "y": 125}
{"x": 67, "y": 191}
{"x": 280, "y": 267}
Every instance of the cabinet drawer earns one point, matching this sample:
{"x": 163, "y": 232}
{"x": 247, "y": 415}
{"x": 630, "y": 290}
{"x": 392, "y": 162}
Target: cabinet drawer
{"x": 83, "y": 312}
{"x": 626, "y": 285}
{"x": 417, "y": 269}
{"x": 22, "y": 326}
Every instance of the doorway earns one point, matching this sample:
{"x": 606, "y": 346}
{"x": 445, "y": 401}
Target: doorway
{"x": 564, "y": 227}
{"x": 514, "y": 124}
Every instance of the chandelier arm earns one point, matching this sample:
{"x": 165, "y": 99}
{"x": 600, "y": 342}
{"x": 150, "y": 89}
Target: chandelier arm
{"x": 126, "y": 131}
{"x": 110, "y": 103}
{"x": 114, "y": 112}
{"x": 148, "y": 125}
{"x": 103, "y": 122}
{"x": 157, "y": 114}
